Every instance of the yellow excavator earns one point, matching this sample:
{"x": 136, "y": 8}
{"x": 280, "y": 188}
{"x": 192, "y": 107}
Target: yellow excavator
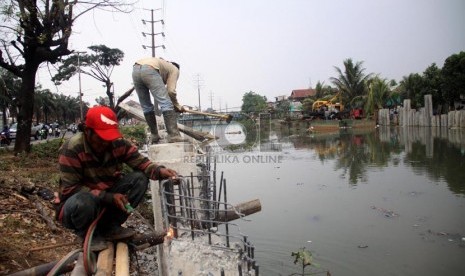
{"x": 332, "y": 104}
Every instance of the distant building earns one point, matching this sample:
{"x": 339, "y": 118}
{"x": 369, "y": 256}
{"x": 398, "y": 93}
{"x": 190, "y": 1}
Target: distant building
{"x": 281, "y": 98}
{"x": 300, "y": 94}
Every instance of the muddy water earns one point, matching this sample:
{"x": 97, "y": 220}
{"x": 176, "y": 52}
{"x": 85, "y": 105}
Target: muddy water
{"x": 384, "y": 202}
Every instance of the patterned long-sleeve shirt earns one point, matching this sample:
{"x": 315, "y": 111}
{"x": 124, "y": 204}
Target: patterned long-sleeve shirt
{"x": 80, "y": 168}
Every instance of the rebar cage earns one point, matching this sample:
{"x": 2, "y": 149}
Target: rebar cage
{"x": 193, "y": 206}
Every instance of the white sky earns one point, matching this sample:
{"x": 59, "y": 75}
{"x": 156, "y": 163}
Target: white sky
{"x": 271, "y": 47}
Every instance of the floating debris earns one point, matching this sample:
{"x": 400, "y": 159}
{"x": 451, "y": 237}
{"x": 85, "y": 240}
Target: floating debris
{"x": 363, "y": 246}
{"x": 385, "y": 212}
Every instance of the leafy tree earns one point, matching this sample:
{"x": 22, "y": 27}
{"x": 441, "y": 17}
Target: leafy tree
{"x": 307, "y": 104}
{"x": 99, "y": 65}
{"x": 282, "y": 108}
{"x": 352, "y": 82}
{"x": 253, "y": 103}
{"x": 411, "y": 87}
{"x": 432, "y": 80}
{"x": 9, "y": 84}
{"x": 453, "y": 77}
{"x": 36, "y": 32}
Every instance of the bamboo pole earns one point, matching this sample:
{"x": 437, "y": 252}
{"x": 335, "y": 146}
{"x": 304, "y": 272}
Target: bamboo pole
{"x": 105, "y": 261}
{"x": 122, "y": 259}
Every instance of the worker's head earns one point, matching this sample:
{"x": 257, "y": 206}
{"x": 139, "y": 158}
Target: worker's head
{"x": 101, "y": 127}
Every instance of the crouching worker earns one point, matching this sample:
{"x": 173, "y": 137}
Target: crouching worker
{"x": 91, "y": 179}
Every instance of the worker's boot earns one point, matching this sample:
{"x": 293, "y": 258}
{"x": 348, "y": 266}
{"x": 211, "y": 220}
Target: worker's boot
{"x": 152, "y": 122}
{"x": 171, "y": 124}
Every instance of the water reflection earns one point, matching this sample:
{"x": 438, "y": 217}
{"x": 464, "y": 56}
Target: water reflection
{"x": 407, "y": 212}
{"x": 437, "y": 153}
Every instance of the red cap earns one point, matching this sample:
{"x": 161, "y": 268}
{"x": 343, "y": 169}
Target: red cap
{"x": 104, "y": 122}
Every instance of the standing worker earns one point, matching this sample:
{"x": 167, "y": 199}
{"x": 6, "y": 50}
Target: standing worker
{"x": 159, "y": 77}
{"x": 92, "y": 178}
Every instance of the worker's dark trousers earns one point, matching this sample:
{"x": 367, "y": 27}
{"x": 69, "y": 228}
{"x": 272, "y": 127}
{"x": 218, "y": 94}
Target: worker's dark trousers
{"x": 81, "y": 209}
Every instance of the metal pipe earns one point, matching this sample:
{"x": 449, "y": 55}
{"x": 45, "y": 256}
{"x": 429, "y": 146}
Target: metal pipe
{"x": 225, "y": 207}
{"x": 191, "y": 218}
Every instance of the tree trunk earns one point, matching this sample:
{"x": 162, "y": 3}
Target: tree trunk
{"x": 111, "y": 99}
{"x": 26, "y": 109}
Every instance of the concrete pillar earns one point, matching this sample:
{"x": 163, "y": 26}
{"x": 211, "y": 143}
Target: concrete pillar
{"x": 421, "y": 117}
{"x": 462, "y": 118}
{"x": 444, "y": 118}
{"x": 457, "y": 119}
{"x": 435, "y": 121}
{"x": 383, "y": 117}
{"x": 428, "y": 109}
{"x": 183, "y": 159}
{"x": 406, "y": 113}
{"x": 451, "y": 119}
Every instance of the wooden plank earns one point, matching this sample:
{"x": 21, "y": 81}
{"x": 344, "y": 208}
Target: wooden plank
{"x": 240, "y": 210}
{"x": 197, "y": 135}
{"x": 105, "y": 261}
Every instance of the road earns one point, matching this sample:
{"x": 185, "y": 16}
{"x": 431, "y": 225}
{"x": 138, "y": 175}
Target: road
{"x": 68, "y": 134}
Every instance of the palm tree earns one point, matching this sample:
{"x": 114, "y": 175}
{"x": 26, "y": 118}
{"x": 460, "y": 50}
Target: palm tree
{"x": 351, "y": 83}
{"x": 43, "y": 104}
{"x": 67, "y": 108}
{"x": 379, "y": 91}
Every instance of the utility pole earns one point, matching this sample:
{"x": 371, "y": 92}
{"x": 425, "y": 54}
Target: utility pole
{"x": 79, "y": 78}
{"x": 211, "y": 100}
{"x": 153, "y": 34}
{"x": 198, "y": 80}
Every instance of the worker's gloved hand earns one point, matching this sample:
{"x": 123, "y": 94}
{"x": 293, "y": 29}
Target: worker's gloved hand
{"x": 179, "y": 108}
{"x": 119, "y": 200}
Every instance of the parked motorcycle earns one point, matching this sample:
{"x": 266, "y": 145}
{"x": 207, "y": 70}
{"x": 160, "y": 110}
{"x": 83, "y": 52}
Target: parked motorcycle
{"x": 5, "y": 139}
{"x": 43, "y": 133}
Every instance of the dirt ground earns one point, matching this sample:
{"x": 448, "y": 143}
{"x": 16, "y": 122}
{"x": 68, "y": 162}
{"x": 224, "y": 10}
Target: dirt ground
{"x": 26, "y": 183}
{"x": 27, "y": 222}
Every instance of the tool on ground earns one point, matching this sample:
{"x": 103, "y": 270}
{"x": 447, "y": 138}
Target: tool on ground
{"x": 226, "y": 117}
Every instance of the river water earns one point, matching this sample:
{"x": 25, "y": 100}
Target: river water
{"x": 386, "y": 201}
